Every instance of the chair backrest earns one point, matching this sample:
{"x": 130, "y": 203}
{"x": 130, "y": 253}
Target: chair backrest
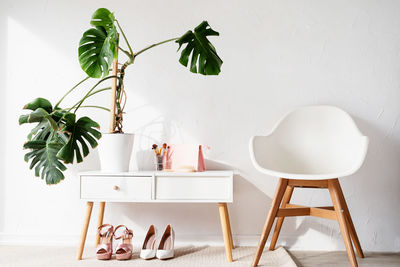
{"x": 313, "y": 140}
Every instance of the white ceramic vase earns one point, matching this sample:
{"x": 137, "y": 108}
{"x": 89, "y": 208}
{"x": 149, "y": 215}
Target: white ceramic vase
{"x": 115, "y": 151}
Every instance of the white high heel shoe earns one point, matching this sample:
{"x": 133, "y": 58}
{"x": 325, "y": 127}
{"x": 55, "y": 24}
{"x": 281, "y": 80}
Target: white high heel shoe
{"x": 148, "y": 250}
{"x": 166, "y": 247}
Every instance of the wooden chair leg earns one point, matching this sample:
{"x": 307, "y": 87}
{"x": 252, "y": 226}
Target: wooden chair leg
{"x": 100, "y": 220}
{"x": 350, "y": 223}
{"x": 225, "y": 226}
{"x": 89, "y": 207}
{"x": 286, "y": 199}
{"x": 339, "y": 209}
{"x": 280, "y": 190}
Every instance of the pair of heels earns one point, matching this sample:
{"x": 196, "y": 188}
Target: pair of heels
{"x": 107, "y": 233}
{"x": 124, "y": 250}
{"x": 165, "y": 248}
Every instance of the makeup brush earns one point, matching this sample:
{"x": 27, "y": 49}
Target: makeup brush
{"x": 154, "y": 147}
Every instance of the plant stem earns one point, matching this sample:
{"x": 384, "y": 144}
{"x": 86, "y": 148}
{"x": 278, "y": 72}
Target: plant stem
{"x": 126, "y": 52}
{"x": 126, "y": 40}
{"x": 90, "y": 91}
{"x": 69, "y": 91}
{"x": 93, "y": 93}
{"x": 92, "y": 106}
{"x": 86, "y": 106}
{"x": 100, "y": 90}
{"x": 153, "y": 45}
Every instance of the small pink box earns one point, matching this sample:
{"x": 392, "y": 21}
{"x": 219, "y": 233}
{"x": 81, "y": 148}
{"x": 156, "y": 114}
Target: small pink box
{"x": 184, "y": 157}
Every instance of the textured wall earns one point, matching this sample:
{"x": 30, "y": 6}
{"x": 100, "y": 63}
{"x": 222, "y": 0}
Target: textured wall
{"x": 277, "y": 55}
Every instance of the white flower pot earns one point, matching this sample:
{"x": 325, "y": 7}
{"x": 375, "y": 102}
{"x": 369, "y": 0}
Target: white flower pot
{"x": 115, "y": 151}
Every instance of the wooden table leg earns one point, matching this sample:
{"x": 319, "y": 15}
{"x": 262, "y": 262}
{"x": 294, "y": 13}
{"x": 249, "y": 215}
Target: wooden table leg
{"x": 89, "y": 207}
{"x": 229, "y": 227}
{"x": 100, "y": 220}
{"x": 224, "y": 216}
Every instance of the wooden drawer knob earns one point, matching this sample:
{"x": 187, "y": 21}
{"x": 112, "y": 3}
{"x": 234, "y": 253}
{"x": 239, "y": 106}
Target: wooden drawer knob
{"x": 116, "y": 187}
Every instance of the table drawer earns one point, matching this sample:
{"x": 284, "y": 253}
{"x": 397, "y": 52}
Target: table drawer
{"x": 194, "y": 188}
{"x": 116, "y": 188}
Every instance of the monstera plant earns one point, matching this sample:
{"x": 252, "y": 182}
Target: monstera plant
{"x": 59, "y": 137}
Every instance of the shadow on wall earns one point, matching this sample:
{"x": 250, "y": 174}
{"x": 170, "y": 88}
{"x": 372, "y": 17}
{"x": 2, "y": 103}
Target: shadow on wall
{"x": 250, "y": 207}
{"x": 377, "y": 178}
{"x": 161, "y": 214}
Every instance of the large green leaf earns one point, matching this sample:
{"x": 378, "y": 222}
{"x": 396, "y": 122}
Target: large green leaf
{"x": 103, "y": 17}
{"x": 41, "y": 113}
{"x": 55, "y": 133}
{"x": 39, "y": 103}
{"x": 98, "y": 45}
{"x": 44, "y": 157}
{"x": 47, "y": 123}
{"x": 41, "y": 131}
{"x": 38, "y": 115}
{"x": 204, "y": 57}
{"x": 82, "y": 131}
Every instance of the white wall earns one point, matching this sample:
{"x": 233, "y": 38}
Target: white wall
{"x": 277, "y": 55}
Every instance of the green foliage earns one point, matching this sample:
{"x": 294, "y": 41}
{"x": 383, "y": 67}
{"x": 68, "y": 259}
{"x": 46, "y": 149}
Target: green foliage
{"x": 78, "y": 131}
{"x": 39, "y": 103}
{"x": 43, "y": 155}
{"x": 51, "y": 140}
{"x": 98, "y": 45}
{"x": 58, "y": 137}
{"x": 38, "y": 115}
{"x": 204, "y": 57}
{"x": 102, "y": 17}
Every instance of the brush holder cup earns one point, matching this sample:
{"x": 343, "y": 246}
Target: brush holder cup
{"x": 158, "y": 162}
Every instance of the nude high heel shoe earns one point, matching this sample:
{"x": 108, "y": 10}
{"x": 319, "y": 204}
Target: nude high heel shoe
{"x": 148, "y": 250}
{"x": 104, "y": 249}
{"x": 124, "y": 249}
{"x": 166, "y": 247}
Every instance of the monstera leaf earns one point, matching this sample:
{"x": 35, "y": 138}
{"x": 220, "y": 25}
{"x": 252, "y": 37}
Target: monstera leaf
{"x": 38, "y": 115}
{"x": 41, "y": 114}
{"x": 98, "y": 45}
{"x": 82, "y": 131}
{"x": 39, "y": 103}
{"x": 55, "y": 133}
{"x": 204, "y": 58}
{"x": 44, "y": 157}
{"x": 48, "y": 124}
{"x": 102, "y": 17}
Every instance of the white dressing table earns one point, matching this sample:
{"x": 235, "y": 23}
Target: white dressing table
{"x": 157, "y": 187}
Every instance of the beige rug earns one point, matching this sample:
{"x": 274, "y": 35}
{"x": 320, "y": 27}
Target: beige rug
{"x": 17, "y": 256}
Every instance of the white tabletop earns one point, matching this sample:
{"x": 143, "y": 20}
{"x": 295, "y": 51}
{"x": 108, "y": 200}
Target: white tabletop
{"x": 160, "y": 173}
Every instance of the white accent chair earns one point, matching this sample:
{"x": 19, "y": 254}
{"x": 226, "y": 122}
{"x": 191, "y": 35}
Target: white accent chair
{"x": 310, "y": 147}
